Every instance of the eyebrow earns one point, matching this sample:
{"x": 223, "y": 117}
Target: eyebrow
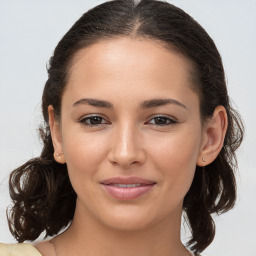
{"x": 143, "y": 105}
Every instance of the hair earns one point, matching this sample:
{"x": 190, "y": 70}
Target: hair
{"x": 43, "y": 198}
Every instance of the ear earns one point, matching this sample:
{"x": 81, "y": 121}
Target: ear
{"x": 56, "y": 136}
{"x": 213, "y": 136}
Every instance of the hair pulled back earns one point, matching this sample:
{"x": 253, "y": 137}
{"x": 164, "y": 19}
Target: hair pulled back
{"x": 43, "y": 198}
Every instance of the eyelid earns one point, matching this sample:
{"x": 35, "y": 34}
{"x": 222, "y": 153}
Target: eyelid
{"x": 165, "y": 116}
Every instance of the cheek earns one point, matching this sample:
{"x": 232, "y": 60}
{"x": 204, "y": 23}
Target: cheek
{"x": 175, "y": 157}
{"x": 83, "y": 153}
{"x": 177, "y": 149}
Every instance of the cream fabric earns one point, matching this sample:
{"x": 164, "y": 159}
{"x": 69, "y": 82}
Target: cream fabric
{"x": 21, "y": 249}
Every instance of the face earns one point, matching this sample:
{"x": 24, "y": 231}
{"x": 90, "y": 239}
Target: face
{"x": 129, "y": 113}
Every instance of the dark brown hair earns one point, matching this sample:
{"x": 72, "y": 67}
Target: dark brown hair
{"x": 43, "y": 198}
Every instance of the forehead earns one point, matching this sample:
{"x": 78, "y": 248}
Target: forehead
{"x": 125, "y": 53}
{"x": 129, "y": 65}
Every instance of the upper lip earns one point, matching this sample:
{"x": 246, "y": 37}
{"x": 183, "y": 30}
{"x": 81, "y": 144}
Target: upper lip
{"x": 127, "y": 180}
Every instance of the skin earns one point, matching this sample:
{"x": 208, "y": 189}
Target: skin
{"x": 129, "y": 141}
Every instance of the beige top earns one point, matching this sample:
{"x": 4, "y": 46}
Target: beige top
{"x": 18, "y": 250}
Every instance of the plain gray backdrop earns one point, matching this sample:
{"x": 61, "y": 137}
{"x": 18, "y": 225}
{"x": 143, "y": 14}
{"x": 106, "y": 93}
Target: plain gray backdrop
{"x": 29, "y": 31}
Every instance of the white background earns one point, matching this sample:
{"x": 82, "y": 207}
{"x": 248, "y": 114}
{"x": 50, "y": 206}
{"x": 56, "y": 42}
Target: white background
{"x": 29, "y": 31}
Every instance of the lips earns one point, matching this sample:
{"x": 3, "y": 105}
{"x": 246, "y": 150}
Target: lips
{"x": 128, "y": 180}
{"x": 127, "y": 188}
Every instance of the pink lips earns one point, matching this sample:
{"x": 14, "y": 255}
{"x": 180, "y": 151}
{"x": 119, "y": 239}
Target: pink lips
{"x": 127, "y": 188}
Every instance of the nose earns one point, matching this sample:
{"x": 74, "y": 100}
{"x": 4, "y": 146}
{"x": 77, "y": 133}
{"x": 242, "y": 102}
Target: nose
{"x": 126, "y": 147}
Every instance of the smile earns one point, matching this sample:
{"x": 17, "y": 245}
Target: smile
{"x": 127, "y": 191}
{"x": 127, "y": 185}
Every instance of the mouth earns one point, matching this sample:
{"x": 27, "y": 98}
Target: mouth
{"x": 127, "y": 188}
{"x": 123, "y": 180}
{"x": 127, "y": 185}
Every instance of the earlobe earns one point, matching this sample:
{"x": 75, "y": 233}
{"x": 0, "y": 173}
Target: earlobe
{"x": 213, "y": 137}
{"x": 56, "y": 136}
{"x": 59, "y": 158}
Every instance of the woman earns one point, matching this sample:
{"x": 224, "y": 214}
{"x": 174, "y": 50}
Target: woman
{"x": 138, "y": 130}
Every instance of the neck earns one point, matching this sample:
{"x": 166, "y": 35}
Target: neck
{"x": 86, "y": 236}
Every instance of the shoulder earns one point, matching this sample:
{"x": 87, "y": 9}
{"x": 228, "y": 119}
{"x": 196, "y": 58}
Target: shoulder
{"x": 21, "y": 249}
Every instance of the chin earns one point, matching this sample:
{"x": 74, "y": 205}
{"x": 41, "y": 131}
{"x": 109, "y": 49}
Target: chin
{"x": 129, "y": 220}
{"x": 125, "y": 224}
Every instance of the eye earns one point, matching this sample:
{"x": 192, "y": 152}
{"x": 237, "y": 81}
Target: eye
{"x": 163, "y": 121}
{"x": 93, "y": 121}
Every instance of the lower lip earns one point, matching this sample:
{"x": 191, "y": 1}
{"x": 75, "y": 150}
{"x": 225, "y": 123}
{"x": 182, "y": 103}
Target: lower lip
{"x": 127, "y": 193}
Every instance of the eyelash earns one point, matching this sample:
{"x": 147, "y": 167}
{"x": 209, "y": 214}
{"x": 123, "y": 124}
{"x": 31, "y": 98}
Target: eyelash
{"x": 172, "y": 121}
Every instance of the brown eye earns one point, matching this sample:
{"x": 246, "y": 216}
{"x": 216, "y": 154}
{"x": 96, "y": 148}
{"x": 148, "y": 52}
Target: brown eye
{"x": 95, "y": 120}
{"x": 162, "y": 121}
{"x": 92, "y": 121}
